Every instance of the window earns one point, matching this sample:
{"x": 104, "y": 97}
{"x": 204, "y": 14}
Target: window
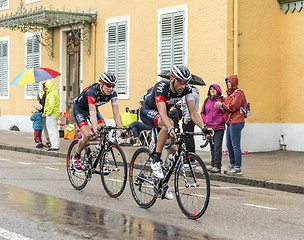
{"x": 172, "y": 37}
{"x": 32, "y": 60}
{"x": 4, "y": 68}
{"x": 3, "y": 4}
{"x": 117, "y": 52}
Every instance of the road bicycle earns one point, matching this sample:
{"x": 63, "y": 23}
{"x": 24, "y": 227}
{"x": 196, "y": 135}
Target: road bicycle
{"x": 107, "y": 159}
{"x": 191, "y": 181}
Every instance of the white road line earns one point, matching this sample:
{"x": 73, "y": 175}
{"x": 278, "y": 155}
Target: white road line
{"x": 3, "y": 159}
{"x": 11, "y": 235}
{"x": 25, "y": 163}
{"x": 55, "y": 169}
{"x": 259, "y": 206}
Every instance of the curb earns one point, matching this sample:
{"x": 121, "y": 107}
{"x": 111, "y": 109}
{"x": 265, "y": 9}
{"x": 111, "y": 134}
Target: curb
{"x": 285, "y": 187}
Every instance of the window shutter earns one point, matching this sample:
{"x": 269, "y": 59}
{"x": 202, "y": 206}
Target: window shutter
{"x": 117, "y": 54}
{"x": 4, "y": 68}
{"x": 172, "y": 40}
{"x": 32, "y": 60}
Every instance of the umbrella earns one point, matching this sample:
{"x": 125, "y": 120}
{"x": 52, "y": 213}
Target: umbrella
{"x": 195, "y": 80}
{"x": 34, "y": 75}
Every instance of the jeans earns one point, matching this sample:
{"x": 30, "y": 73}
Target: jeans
{"x": 189, "y": 140}
{"x": 216, "y": 148}
{"x": 137, "y": 127}
{"x": 233, "y": 139}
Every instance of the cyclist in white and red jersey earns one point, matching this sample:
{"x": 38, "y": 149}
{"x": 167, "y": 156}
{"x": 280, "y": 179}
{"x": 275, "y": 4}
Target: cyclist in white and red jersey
{"x": 85, "y": 107}
{"x": 157, "y": 103}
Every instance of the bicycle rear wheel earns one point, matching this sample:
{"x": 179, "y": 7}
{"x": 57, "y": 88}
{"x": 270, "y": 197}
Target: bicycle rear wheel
{"x": 113, "y": 170}
{"x": 77, "y": 179}
{"x": 141, "y": 179}
{"x": 192, "y": 187}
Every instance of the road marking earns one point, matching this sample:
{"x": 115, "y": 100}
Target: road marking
{"x": 3, "y": 159}
{"x": 25, "y": 163}
{"x": 259, "y": 206}
{"x": 11, "y": 235}
{"x": 55, "y": 169}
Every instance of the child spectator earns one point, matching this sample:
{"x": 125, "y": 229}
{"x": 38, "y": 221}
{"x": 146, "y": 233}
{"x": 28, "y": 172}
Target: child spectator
{"x": 37, "y": 124}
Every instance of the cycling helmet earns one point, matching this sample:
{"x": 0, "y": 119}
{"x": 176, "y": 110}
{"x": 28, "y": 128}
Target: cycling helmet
{"x": 38, "y": 107}
{"x": 107, "y": 78}
{"x": 180, "y": 72}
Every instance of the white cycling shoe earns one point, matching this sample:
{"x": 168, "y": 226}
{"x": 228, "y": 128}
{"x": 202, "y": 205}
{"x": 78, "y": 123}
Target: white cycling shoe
{"x": 157, "y": 170}
{"x": 168, "y": 195}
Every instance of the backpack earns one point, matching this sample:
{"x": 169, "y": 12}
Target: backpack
{"x": 204, "y": 105}
{"x": 246, "y": 108}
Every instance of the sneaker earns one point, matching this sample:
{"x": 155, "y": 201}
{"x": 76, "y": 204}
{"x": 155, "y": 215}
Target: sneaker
{"x": 209, "y": 167}
{"x": 157, "y": 170}
{"x": 234, "y": 171}
{"x": 39, "y": 145}
{"x": 193, "y": 164}
{"x": 136, "y": 145}
{"x": 76, "y": 164}
{"x": 215, "y": 170}
{"x": 228, "y": 169}
{"x": 106, "y": 170}
{"x": 168, "y": 194}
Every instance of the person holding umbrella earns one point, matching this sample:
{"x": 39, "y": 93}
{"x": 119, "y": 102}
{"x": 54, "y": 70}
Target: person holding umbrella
{"x": 51, "y": 112}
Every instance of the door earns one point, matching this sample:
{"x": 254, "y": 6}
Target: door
{"x": 73, "y": 68}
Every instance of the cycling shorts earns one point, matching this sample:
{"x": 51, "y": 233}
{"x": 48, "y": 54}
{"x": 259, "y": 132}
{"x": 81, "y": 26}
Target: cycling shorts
{"x": 82, "y": 116}
{"x": 149, "y": 116}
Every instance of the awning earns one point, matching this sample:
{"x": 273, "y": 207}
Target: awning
{"x": 291, "y": 5}
{"x": 39, "y": 19}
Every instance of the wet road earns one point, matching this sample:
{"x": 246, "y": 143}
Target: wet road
{"x": 38, "y": 202}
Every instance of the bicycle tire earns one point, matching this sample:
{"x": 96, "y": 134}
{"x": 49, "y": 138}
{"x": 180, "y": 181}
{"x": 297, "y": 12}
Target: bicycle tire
{"x": 142, "y": 191}
{"x": 114, "y": 181}
{"x": 77, "y": 179}
{"x": 192, "y": 199}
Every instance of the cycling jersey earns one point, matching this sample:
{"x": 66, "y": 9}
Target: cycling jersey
{"x": 161, "y": 92}
{"x": 91, "y": 95}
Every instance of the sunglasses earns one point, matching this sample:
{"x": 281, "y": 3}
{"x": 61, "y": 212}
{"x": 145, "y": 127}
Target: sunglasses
{"x": 110, "y": 85}
{"x": 183, "y": 82}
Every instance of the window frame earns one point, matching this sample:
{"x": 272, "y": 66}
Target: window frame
{"x": 5, "y": 7}
{"x": 169, "y": 10}
{"x": 31, "y": 1}
{"x": 109, "y": 21}
{"x": 3, "y": 39}
{"x": 27, "y": 35}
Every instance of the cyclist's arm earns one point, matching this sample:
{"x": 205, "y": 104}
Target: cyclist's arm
{"x": 194, "y": 115}
{"x": 93, "y": 116}
{"x": 116, "y": 116}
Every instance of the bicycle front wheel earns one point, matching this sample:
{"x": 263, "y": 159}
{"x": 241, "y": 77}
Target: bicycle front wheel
{"x": 113, "y": 170}
{"x": 77, "y": 179}
{"x": 141, "y": 179}
{"x": 192, "y": 186}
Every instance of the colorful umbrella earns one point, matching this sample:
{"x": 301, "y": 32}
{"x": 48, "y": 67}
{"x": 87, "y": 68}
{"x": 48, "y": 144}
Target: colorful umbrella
{"x": 34, "y": 75}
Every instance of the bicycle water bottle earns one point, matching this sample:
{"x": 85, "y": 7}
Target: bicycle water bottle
{"x": 96, "y": 150}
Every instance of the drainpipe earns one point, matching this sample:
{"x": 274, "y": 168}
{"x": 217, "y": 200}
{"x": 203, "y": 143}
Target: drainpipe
{"x": 235, "y": 37}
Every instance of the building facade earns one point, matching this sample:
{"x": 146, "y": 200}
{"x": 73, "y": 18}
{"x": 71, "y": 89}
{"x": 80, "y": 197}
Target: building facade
{"x": 260, "y": 41}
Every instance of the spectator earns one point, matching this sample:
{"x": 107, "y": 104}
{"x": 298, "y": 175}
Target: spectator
{"x": 138, "y": 126}
{"x": 42, "y": 102}
{"x": 51, "y": 112}
{"x": 176, "y": 114}
{"x": 213, "y": 117}
{"x": 188, "y": 124}
{"x": 234, "y": 119}
{"x": 37, "y": 124}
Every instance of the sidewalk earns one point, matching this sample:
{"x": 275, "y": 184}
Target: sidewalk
{"x": 278, "y": 170}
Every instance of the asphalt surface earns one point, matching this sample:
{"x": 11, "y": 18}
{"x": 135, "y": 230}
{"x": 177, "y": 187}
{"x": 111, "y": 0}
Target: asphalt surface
{"x": 278, "y": 170}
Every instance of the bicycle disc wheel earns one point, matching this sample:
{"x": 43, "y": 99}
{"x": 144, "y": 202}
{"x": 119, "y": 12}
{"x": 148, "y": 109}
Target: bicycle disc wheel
{"x": 192, "y": 187}
{"x": 77, "y": 179}
{"x": 141, "y": 178}
{"x": 113, "y": 170}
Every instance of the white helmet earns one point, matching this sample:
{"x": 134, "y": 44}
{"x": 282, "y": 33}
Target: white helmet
{"x": 107, "y": 78}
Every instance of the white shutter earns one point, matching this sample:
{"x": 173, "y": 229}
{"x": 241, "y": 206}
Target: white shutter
{"x": 117, "y": 54}
{"x": 4, "y": 68}
{"x": 172, "y": 40}
{"x": 32, "y": 60}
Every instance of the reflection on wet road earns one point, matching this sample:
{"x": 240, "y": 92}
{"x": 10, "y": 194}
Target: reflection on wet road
{"x": 87, "y": 222}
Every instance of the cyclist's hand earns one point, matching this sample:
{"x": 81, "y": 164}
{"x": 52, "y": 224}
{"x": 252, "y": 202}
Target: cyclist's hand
{"x": 171, "y": 133}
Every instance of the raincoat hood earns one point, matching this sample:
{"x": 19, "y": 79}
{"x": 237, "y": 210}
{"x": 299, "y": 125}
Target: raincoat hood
{"x": 234, "y": 83}
{"x": 217, "y": 87}
{"x": 50, "y": 86}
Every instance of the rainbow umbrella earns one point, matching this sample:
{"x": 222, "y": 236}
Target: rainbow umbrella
{"x": 34, "y": 75}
